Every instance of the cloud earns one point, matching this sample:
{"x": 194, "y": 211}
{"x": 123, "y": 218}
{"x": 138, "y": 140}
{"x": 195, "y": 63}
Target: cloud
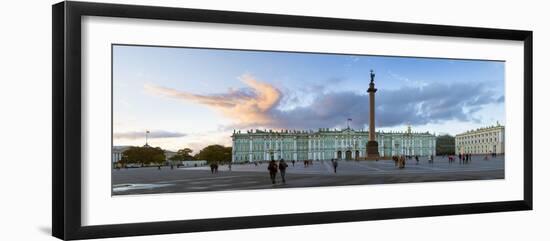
{"x": 258, "y": 105}
{"x": 248, "y": 106}
{"x": 134, "y": 135}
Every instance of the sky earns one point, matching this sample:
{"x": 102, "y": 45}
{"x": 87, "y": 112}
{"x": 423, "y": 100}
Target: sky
{"x": 194, "y": 97}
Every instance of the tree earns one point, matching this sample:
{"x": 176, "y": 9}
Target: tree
{"x": 445, "y": 145}
{"x": 183, "y": 155}
{"x": 143, "y": 155}
{"x": 215, "y": 153}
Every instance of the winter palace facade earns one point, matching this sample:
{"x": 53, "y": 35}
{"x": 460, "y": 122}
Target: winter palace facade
{"x": 325, "y": 144}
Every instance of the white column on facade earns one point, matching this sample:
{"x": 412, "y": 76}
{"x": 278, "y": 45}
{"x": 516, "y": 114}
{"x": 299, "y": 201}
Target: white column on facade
{"x": 278, "y": 148}
{"x": 421, "y": 151}
{"x": 282, "y": 147}
{"x": 433, "y": 146}
{"x": 407, "y": 147}
{"x": 411, "y": 147}
{"x": 308, "y": 147}
{"x": 381, "y": 147}
{"x": 295, "y": 150}
{"x": 324, "y": 147}
{"x": 392, "y": 146}
{"x": 320, "y": 149}
{"x": 402, "y": 145}
{"x": 314, "y": 148}
{"x": 316, "y": 145}
{"x": 250, "y": 149}
{"x": 265, "y": 149}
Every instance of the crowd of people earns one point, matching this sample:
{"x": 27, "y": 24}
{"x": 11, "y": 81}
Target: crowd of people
{"x": 401, "y": 161}
{"x": 467, "y": 158}
{"x": 280, "y": 167}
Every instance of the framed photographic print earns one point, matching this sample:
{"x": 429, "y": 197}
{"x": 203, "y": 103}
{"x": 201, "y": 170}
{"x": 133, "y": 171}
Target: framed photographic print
{"x": 169, "y": 120}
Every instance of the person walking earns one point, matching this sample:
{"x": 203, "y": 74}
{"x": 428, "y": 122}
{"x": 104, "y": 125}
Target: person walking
{"x": 272, "y": 168}
{"x": 431, "y": 159}
{"x": 229, "y": 166}
{"x": 282, "y": 169}
{"x": 212, "y": 167}
{"x": 334, "y": 164}
{"x": 416, "y": 158}
{"x": 401, "y": 162}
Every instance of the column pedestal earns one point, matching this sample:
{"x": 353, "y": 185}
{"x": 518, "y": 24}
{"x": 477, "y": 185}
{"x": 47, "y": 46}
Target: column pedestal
{"x": 372, "y": 150}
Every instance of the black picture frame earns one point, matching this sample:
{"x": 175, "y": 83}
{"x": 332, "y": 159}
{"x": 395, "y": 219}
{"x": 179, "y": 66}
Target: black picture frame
{"x": 66, "y": 127}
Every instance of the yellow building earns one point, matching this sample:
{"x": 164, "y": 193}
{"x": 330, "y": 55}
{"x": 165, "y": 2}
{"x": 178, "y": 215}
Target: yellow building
{"x": 485, "y": 140}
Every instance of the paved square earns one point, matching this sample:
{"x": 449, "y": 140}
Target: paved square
{"x": 321, "y": 173}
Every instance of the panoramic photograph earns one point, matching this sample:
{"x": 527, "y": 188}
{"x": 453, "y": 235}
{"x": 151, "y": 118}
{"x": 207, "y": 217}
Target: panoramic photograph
{"x": 202, "y": 119}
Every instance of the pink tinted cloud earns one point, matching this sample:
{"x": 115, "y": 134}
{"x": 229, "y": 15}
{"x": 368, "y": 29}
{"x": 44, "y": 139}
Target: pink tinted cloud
{"x": 246, "y": 107}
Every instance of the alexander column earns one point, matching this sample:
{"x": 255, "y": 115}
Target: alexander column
{"x": 372, "y": 144}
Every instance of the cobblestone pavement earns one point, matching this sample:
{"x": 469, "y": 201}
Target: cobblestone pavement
{"x": 321, "y": 173}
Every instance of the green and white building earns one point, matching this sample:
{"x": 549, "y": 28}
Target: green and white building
{"x": 325, "y": 144}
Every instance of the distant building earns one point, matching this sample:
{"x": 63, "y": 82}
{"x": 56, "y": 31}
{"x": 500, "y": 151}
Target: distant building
{"x": 190, "y": 163}
{"x": 485, "y": 140}
{"x": 325, "y": 144}
{"x": 116, "y": 154}
{"x": 168, "y": 154}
